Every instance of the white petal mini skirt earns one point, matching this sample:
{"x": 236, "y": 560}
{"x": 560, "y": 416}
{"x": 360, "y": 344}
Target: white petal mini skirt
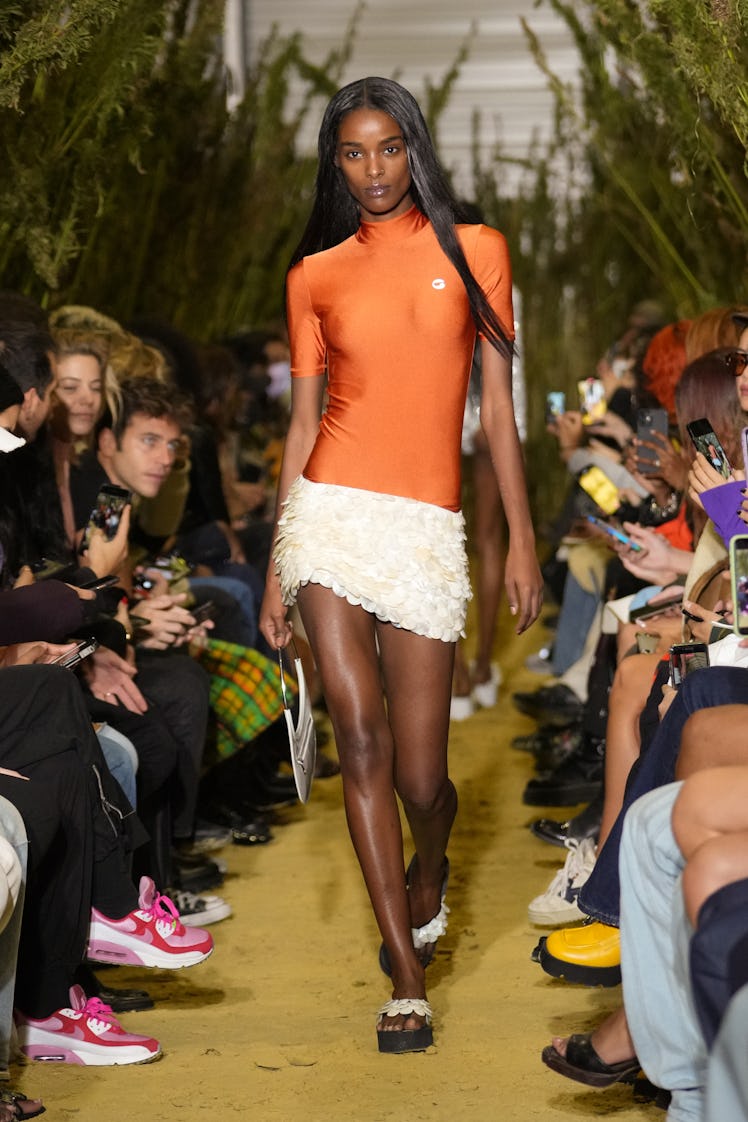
{"x": 400, "y": 559}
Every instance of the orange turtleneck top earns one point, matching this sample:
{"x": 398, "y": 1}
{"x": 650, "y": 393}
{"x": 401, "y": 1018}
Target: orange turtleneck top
{"x": 386, "y": 314}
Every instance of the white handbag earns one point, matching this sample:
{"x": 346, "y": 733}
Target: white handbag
{"x": 302, "y": 737}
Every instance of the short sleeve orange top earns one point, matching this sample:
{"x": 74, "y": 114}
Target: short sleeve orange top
{"x": 386, "y": 314}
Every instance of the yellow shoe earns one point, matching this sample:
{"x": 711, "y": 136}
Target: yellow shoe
{"x": 590, "y": 954}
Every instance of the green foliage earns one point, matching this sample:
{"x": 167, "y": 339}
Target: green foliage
{"x": 642, "y": 193}
{"x": 129, "y": 184}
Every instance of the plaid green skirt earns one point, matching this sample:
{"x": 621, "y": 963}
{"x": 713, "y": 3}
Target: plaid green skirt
{"x": 245, "y": 693}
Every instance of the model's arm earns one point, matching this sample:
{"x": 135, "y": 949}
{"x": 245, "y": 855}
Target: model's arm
{"x": 306, "y": 409}
{"x": 524, "y": 583}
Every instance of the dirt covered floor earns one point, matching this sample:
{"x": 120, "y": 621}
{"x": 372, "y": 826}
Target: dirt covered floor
{"x": 278, "y": 1025}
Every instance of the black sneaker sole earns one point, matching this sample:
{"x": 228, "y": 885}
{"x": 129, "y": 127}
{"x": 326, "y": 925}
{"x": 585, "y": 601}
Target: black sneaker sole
{"x": 606, "y": 976}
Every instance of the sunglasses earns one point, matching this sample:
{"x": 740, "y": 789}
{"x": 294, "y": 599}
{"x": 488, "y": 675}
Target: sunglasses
{"x": 737, "y": 362}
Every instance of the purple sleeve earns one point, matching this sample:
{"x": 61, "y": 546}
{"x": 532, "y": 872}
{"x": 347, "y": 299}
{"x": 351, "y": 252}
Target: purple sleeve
{"x": 47, "y": 611}
{"x": 722, "y": 505}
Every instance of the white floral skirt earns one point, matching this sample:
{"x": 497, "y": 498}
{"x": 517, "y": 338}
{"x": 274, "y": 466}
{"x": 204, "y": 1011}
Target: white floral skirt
{"x": 400, "y": 559}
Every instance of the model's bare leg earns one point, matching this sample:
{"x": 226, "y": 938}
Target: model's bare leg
{"x": 490, "y": 550}
{"x": 627, "y": 698}
{"x": 417, "y": 673}
{"x": 342, "y": 637}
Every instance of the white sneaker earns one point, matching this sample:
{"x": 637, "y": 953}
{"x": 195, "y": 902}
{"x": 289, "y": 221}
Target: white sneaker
{"x": 461, "y": 707}
{"x": 485, "y": 694}
{"x": 557, "y": 906}
{"x": 199, "y": 911}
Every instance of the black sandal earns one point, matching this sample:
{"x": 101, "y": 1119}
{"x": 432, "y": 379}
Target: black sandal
{"x": 14, "y": 1105}
{"x": 583, "y": 1064}
{"x": 405, "y": 1040}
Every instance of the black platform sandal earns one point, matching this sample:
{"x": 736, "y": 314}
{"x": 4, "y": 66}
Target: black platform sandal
{"x": 583, "y": 1064}
{"x": 405, "y": 1040}
{"x": 429, "y": 933}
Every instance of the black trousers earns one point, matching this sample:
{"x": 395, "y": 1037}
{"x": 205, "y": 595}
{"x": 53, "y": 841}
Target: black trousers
{"x": 80, "y": 828}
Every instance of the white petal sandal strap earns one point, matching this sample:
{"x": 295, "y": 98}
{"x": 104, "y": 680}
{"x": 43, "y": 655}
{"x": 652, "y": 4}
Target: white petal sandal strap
{"x": 432, "y": 930}
{"x": 402, "y": 1006}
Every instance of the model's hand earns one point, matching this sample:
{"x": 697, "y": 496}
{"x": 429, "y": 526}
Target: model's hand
{"x": 524, "y": 585}
{"x": 274, "y": 623}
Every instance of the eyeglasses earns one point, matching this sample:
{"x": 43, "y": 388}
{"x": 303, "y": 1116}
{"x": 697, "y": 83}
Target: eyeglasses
{"x": 737, "y": 362}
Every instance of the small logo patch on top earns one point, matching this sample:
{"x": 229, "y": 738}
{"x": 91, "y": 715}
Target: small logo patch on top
{"x": 438, "y": 282}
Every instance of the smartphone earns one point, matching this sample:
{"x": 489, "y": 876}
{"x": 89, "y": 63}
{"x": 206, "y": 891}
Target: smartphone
{"x": 97, "y": 585}
{"x": 739, "y": 579}
{"x": 597, "y": 485}
{"x": 202, "y": 611}
{"x": 685, "y": 657}
{"x": 614, "y": 532}
{"x": 83, "y": 649}
{"x": 706, "y": 441}
{"x": 110, "y": 502}
{"x": 649, "y": 422}
{"x": 649, "y": 611}
{"x": 592, "y": 402}
{"x": 555, "y": 405}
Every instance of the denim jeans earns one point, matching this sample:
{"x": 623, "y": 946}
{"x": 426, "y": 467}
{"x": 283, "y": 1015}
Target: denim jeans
{"x": 578, "y": 610}
{"x": 727, "y": 1077}
{"x": 703, "y": 689}
{"x": 655, "y": 936}
{"x": 121, "y": 758}
{"x": 11, "y": 827}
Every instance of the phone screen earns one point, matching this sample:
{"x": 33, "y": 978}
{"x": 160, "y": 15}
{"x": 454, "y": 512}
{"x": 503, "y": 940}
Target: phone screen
{"x": 555, "y": 405}
{"x": 105, "y": 516}
{"x": 592, "y": 401}
{"x": 739, "y": 577}
{"x": 706, "y": 441}
{"x": 685, "y": 658}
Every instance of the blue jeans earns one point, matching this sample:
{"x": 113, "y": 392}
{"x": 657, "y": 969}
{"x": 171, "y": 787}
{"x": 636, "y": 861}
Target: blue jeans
{"x": 727, "y": 1078}
{"x": 575, "y": 619}
{"x": 655, "y": 936}
{"x": 703, "y": 689}
{"x": 11, "y": 827}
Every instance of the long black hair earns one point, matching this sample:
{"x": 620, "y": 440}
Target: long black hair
{"x": 335, "y": 215}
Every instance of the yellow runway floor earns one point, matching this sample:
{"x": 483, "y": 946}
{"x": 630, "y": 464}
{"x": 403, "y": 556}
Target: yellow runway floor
{"x": 278, "y": 1025}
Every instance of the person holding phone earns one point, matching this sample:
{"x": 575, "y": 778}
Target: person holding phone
{"x": 369, "y": 530}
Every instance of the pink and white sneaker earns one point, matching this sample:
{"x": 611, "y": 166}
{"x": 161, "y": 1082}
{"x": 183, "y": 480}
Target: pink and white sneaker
{"x": 153, "y": 935}
{"x": 88, "y": 1033}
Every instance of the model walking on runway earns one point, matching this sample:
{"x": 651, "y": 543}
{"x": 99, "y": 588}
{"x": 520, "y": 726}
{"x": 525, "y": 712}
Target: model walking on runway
{"x": 386, "y": 295}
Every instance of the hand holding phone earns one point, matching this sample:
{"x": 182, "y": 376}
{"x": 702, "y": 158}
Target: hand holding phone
{"x": 83, "y": 648}
{"x": 614, "y": 532}
{"x": 706, "y": 441}
{"x": 600, "y": 488}
{"x": 106, "y": 514}
{"x": 739, "y": 581}
{"x": 649, "y": 423}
